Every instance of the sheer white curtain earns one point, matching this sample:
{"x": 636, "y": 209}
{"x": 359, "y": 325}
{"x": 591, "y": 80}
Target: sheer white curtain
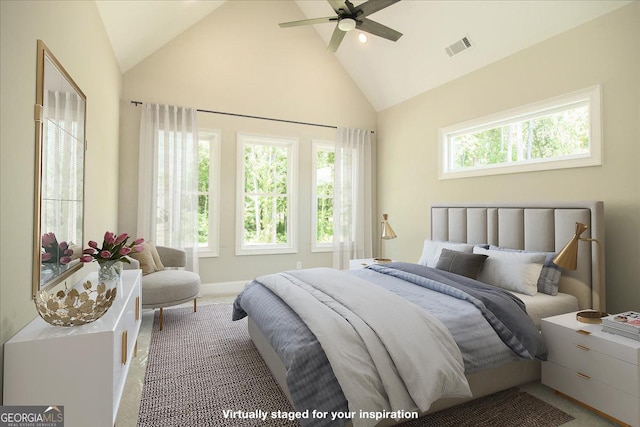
{"x": 62, "y": 165}
{"x": 168, "y": 179}
{"x": 352, "y": 223}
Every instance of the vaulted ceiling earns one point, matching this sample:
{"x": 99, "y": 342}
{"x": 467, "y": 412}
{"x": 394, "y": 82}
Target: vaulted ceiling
{"x": 386, "y": 72}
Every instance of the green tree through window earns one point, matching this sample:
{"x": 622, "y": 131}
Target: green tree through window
{"x": 267, "y": 179}
{"x": 208, "y": 190}
{"x": 265, "y": 187}
{"x": 555, "y": 135}
{"x": 324, "y": 161}
{"x": 560, "y": 132}
{"x": 204, "y": 162}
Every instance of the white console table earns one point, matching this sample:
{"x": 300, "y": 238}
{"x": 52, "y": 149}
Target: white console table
{"x": 82, "y": 368}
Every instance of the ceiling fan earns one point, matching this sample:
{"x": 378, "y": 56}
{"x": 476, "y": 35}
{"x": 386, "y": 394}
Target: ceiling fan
{"x": 350, "y": 17}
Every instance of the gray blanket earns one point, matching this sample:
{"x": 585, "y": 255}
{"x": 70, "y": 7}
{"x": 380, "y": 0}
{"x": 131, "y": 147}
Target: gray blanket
{"x": 505, "y": 312}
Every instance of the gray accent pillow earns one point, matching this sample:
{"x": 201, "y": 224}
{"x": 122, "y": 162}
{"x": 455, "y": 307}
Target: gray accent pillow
{"x": 550, "y": 274}
{"x": 462, "y": 263}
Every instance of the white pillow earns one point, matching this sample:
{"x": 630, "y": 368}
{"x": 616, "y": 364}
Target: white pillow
{"x": 432, "y": 249}
{"x": 513, "y": 271}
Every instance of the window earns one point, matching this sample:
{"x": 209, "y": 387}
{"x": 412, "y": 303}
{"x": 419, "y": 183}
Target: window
{"x": 170, "y": 163}
{"x": 561, "y": 132}
{"x": 322, "y": 195}
{"x": 266, "y": 182}
{"x": 208, "y": 192}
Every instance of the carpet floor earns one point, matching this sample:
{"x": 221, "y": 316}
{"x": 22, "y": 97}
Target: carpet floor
{"x": 203, "y": 370}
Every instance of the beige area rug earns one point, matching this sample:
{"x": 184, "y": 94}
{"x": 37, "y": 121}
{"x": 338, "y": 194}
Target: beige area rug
{"x": 203, "y": 370}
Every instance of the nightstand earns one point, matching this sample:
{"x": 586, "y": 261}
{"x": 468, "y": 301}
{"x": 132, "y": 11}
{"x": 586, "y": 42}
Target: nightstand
{"x": 598, "y": 369}
{"x": 359, "y": 264}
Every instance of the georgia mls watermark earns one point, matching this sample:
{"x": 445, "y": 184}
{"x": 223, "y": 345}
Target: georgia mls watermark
{"x": 31, "y": 416}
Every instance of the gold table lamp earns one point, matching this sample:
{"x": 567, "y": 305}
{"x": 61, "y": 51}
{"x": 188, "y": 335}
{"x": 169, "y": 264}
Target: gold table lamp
{"x": 567, "y": 258}
{"x": 386, "y": 233}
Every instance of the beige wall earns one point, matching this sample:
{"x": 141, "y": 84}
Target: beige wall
{"x": 220, "y": 64}
{"x": 605, "y": 51}
{"x": 73, "y": 31}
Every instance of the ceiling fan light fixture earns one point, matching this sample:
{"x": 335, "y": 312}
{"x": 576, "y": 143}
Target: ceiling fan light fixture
{"x": 349, "y": 17}
{"x": 347, "y": 24}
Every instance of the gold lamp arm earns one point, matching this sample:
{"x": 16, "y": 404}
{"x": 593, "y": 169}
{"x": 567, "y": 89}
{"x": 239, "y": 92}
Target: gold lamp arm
{"x": 380, "y": 234}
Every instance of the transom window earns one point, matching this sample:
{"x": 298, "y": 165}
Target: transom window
{"x": 561, "y": 132}
{"x": 267, "y": 179}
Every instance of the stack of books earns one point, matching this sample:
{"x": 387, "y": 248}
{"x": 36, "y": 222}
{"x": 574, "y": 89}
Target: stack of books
{"x": 626, "y": 324}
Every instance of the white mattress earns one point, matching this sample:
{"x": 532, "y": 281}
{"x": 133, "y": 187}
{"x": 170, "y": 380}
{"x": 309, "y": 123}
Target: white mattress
{"x": 542, "y": 305}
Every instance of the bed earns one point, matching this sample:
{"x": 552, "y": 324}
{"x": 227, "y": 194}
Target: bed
{"x": 492, "y": 230}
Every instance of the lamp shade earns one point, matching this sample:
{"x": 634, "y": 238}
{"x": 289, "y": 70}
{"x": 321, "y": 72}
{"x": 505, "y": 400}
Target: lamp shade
{"x": 567, "y": 258}
{"x": 387, "y": 232}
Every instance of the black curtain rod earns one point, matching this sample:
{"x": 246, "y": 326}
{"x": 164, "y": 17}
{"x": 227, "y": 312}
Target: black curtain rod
{"x": 257, "y": 117}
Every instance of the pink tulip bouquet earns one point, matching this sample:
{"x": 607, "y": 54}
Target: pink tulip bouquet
{"x": 113, "y": 248}
{"x": 54, "y": 252}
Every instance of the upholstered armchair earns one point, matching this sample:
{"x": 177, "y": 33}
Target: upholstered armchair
{"x": 164, "y": 282}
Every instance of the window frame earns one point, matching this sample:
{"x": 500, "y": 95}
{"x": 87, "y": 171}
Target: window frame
{"x": 316, "y": 145}
{"x": 215, "y": 140}
{"x": 244, "y": 138}
{"x": 592, "y": 97}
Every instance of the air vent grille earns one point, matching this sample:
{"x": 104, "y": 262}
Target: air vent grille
{"x": 459, "y": 46}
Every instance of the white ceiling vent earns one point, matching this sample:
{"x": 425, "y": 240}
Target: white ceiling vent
{"x": 459, "y": 46}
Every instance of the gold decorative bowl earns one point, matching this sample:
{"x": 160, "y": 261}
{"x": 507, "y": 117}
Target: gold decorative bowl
{"x": 74, "y": 308}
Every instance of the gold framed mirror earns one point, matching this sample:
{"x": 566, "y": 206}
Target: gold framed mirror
{"x": 58, "y": 222}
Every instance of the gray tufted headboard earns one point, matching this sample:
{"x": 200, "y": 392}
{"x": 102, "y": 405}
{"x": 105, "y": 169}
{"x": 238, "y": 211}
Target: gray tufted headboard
{"x": 545, "y": 226}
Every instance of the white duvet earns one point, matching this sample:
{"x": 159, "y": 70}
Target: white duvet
{"x": 387, "y": 353}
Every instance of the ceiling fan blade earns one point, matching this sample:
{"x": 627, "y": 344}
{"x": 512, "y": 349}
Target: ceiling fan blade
{"x": 372, "y": 6}
{"x": 372, "y": 27}
{"x": 351, "y": 7}
{"x": 336, "y": 39}
{"x": 337, "y": 5}
{"x": 308, "y": 22}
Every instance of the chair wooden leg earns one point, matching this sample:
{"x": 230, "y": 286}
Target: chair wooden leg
{"x": 195, "y": 308}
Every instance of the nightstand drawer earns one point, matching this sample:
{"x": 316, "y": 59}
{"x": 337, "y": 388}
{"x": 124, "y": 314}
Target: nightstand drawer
{"x": 559, "y": 336}
{"x": 602, "y": 397}
{"x": 578, "y": 357}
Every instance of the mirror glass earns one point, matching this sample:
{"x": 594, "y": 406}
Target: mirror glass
{"x": 60, "y": 146}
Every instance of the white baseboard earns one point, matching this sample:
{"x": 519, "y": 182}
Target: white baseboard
{"x": 223, "y": 288}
